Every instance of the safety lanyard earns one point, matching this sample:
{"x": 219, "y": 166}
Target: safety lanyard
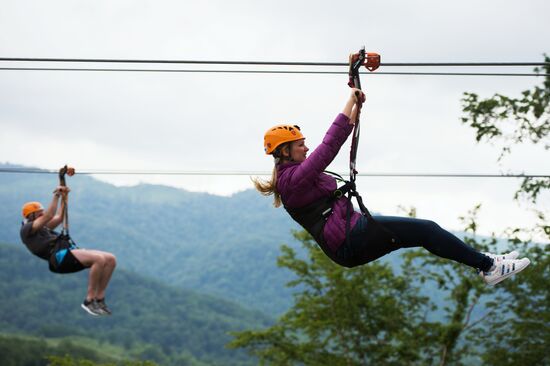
{"x": 62, "y": 172}
{"x": 371, "y": 61}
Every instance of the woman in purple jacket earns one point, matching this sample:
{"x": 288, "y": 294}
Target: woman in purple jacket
{"x": 311, "y": 197}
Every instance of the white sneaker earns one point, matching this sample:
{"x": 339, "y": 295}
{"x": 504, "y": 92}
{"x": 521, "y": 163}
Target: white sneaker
{"x": 497, "y": 258}
{"x": 504, "y": 269}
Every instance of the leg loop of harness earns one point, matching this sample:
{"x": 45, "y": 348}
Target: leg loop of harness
{"x": 381, "y": 231}
{"x": 61, "y": 259}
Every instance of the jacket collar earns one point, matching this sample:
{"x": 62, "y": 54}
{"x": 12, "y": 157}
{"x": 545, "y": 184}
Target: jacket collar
{"x": 287, "y": 165}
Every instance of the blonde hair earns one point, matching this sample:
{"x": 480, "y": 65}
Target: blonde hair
{"x": 269, "y": 187}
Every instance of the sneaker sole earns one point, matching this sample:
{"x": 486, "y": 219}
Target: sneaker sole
{"x": 502, "y": 278}
{"x": 88, "y": 310}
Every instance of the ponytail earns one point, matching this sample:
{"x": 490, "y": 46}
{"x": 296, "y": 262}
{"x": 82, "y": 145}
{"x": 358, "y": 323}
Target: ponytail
{"x": 269, "y": 187}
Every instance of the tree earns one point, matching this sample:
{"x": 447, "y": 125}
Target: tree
{"x": 520, "y": 334}
{"x": 370, "y": 315}
{"x": 514, "y": 121}
{"x": 364, "y": 316}
{"x": 70, "y": 361}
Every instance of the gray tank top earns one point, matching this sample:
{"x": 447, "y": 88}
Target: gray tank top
{"x": 40, "y": 242}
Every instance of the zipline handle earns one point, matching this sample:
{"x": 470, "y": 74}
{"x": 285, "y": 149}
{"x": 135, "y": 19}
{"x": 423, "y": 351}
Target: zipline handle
{"x": 66, "y": 170}
{"x": 355, "y": 64}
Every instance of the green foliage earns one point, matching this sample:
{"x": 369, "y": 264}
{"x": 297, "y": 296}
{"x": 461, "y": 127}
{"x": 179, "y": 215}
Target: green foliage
{"x": 514, "y": 121}
{"x": 531, "y": 188}
{"x": 372, "y": 316}
{"x": 17, "y": 352}
{"x": 457, "y": 333}
{"x": 26, "y": 351}
{"x": 70, "y": 361}
{"x": 363, "y": 316}
{"x": 519, "y": 332}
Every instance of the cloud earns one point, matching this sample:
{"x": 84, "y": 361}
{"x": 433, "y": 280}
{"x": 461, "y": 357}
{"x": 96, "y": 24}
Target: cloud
{"x": 216, "y": 121}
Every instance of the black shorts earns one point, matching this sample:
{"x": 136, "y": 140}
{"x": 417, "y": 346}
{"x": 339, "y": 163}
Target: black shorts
{"x": 65, "y": 262}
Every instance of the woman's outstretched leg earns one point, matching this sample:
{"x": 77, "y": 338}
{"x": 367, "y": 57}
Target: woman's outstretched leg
{"x": 414, "y": 232}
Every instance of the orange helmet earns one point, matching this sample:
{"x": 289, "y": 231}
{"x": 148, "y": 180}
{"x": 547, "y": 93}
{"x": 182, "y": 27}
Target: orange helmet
{"x": 280, "y": 134}
{"x": 31, "y": 207}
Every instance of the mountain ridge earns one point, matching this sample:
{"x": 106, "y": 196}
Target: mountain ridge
{"x": 225, "y": 246}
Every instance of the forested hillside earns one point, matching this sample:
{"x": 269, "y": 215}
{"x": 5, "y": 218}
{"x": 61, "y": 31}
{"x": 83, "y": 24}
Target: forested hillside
{"x": 225, "y": 246}
{"x": 151, "y": 320}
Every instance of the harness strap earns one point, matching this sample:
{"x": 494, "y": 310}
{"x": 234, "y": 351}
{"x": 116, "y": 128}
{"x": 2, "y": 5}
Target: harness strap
{"x": 62, "y": 172}
{"x": 350, "y": 189}
{"x": 64, "y": 199}
{"x": 314, "y": 215}
{"x": 371, "y": 61}
{"x": 355, "y": 82}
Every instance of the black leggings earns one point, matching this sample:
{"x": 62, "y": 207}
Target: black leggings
{"x": 411, "y": 233}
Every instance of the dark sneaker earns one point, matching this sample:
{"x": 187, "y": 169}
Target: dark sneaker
{"x": 91, "y": 307}
{"x": 103, "y": 307}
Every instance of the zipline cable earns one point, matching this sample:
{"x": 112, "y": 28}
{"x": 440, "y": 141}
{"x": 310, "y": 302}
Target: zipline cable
{"x": 263, "y": 71}
{"x": 268, "y": 63}
{"x": 260, "y": 173}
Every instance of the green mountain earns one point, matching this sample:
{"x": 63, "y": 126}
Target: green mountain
{"x": 225, "y": 246}
{"x": 24, "y": 350}
{"x": 151, "y": 320}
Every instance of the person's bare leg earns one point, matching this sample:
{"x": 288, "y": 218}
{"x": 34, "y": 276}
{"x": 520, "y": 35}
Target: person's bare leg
{"x": 96, "y": 263}
{"x": 110, "y": 264}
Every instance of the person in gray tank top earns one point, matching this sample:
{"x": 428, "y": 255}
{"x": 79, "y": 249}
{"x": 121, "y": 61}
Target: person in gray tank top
{"x": 38, "y": 235}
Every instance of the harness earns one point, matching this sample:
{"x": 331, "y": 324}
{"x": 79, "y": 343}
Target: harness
{"x": 314, "y": 215}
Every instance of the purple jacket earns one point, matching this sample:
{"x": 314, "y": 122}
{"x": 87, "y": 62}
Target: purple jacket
{"x": 300, "y": 184}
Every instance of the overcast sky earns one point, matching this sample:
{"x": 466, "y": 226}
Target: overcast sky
{"x": 183, "y": 121}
